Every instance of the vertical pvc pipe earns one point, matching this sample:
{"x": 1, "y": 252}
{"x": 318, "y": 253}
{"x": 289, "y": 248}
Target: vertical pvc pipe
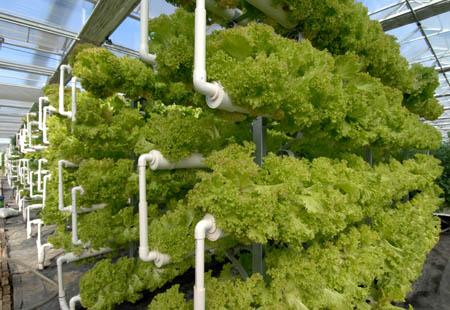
{"x": 75, "y": 239}
{"x": 206, "y": 228}
{"x": 61, "y": 111}
{"x": 74, "y": 97}
{"x": 143, "y": 39}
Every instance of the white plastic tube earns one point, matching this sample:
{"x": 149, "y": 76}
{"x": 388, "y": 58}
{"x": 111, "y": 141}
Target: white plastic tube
{"x": 216, "y": 97}
{"x": 41, "y": 102}
{"x": 276, "y": 13}
{"x": 44, "y": 191}
{"x": 62, "y": 163}
{"x": 75, "y": 213}
{"x": 73, "y": 301}
{"x": 69, "y": 258}
{"x": 44, "y": 123}
{"x": 31, "y": 187}
{"x": 75, "y": 239}
{"x": 61, "y": 111}
{"x": 40, "y": 172}
{"x": 227, "y": 14}
{"x": 206, "y": 228}
{"x": 74, "y": 98}
{"x": 143, "y": 42}
{"x": 41, "y": 247}
{"x": 156, "y": 161}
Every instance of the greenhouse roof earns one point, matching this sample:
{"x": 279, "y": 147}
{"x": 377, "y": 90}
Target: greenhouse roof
{"x": 36, "y": 37}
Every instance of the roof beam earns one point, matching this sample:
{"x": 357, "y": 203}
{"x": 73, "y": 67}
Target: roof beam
{"x": 104, "y": 19}
{"x": 20, "y": 67}
{"x": 422, "y": 12}
{"x": 427, "y": 41}
{"x": 444, "y": 69}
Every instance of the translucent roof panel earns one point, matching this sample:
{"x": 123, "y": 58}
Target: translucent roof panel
{"x": 414, "y": 46}
{"x": 66, "y": 14}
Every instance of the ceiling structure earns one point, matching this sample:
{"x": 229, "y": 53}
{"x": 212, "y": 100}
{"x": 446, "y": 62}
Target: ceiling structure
{"x": 37, "y": 36}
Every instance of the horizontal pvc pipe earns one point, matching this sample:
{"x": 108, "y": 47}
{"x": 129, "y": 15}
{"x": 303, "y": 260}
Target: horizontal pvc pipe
{"x": 276, "y": 13}
{"x": 62, "y": 163}
{"x": 227, "y": 14}
{"x": 158, "y": 162}
{"x": 205, "y": 228}
{"x": 69, "y": 258}
{"x": 143, "y": 42}
{"x": 61, "y": 111}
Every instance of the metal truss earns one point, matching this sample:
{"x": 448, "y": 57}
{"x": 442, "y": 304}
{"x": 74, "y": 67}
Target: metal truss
{"x": 400, "y": 14}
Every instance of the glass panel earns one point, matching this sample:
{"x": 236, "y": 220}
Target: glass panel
{"x": 67, "y": 14}
{"x": 14, "y": 32}
{"x": 47, "y": 39}
{"x": 22, "y": 78}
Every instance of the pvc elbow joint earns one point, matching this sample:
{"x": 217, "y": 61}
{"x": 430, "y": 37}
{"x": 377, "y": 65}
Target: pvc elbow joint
{"x": 143, "y": 159}
{"x": 160, "y": 259}
{"x": 206, "y": 228}
{"x": 77, "y": 189}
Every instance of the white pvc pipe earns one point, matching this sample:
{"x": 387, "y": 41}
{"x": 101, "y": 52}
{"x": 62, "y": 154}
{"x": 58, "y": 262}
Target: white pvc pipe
{"x": 156, "y": 161}
{"x": 206, "y": 228}
{"x": 74, "y": 98}
{"x": 41, "y": 247}
{"x": 40, "y": 173}
{"x": 73, "y": 301}
{"x": 61, "y": 111}
{"x": 41, "y": 102}
{"x": 75, "y": 213}
{"x": 29, "y": 129}
{"x": 228, "y": 14}
{"x": 143, "y": 41}
{"x": 69, "y": 258}
{"x": 216, "y": 97}
{"x": 44, "y": 191}
{"x": 75, "y": 239}
{"x": 26, "y": 212}
{"x": 276, "y": 13}
{"x": 44, "y": 123}
{"x": 62, "y": 163}
{"x": 32, "y": 185}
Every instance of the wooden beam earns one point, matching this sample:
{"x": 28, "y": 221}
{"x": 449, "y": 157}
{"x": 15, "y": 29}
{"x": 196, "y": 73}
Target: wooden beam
{"x": 423, "y": 12}
{"x": 105, "y": 18}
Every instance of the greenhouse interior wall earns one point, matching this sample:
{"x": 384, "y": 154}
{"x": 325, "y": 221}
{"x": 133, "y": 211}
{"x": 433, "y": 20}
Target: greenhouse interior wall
{"x": 225, "y": 154}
